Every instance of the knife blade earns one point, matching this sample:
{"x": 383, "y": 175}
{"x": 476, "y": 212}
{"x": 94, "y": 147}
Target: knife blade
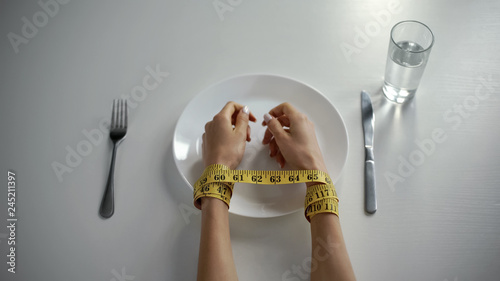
{"x": 368, "y": 120}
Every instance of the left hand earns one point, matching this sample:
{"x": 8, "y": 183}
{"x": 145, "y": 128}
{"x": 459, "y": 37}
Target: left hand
{"x": 225, "y": 136}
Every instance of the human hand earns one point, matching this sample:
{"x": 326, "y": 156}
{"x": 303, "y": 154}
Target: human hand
{"x": 297, "y": 144}
{"x": 225, "y": 136}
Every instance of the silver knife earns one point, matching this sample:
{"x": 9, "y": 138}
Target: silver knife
{"x": 368, "y": 119}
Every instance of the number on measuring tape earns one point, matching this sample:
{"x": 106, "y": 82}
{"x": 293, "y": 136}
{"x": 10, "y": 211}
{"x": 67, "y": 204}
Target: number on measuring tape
{"x": 275, "y": 179}
{"x": 257, "y": 178}
{"x": 219, "y": 177}
{"x": 312, "y": 177}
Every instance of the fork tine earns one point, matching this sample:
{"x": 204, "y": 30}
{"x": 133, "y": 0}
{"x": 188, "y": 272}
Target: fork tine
{"x": 117, "y": 124}
{"x": 126, "y": 114}
{"x": 118, "y": 116}
{"x": 113, "y": 115}
{"x": 122, "y": 113}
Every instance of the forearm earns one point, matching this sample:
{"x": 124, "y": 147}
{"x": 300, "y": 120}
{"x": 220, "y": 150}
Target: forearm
{"x": 329, "y": 250}
{"x": 216, "y": 257}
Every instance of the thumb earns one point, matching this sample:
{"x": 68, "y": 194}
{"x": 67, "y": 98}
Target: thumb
{"x": 241, "y": 124}
{"x": 274, "y": 126}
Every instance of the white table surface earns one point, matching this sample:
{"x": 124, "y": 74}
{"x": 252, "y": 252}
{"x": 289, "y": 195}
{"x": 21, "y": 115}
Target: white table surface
{"x": 439, "y": 222}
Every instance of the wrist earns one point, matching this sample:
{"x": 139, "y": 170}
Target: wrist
{"x": 309, "y": 184}
{"x": 320, "y": 167}
{"x": 231, "y": 166}
{"x": 311, "y": 162}
{"x": 322, "y": 217}
{"x": 211, "y": 203}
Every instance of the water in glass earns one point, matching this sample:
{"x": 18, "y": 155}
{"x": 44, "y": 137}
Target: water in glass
{"x": 405, "y": 66}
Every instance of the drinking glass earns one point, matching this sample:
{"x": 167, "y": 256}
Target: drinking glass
{"x": 409, "y": 48}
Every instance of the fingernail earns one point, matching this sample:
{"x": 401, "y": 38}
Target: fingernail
{"x": 267, "y": 117}
{"x": 246, "y": 110}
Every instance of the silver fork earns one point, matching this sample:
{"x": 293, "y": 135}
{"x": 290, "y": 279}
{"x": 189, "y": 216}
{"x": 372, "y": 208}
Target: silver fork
{"x": 117, "y": 132}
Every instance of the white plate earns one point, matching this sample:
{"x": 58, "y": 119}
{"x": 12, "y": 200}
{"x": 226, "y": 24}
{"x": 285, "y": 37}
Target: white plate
{"x": 261, "y": 93}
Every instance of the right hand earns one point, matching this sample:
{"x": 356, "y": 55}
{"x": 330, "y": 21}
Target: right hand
{"x": 296, "y": 145}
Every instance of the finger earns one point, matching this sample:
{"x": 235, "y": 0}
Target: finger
{"x": 273, "y": 148}
{"x": 283, "y": 109}
{"x": 234, "y": 117}
{"x": 275, "y": 127}
{"x": 241, "y": 125}
{"x": 251, "y": 117}
{"x": 231, "y": 108}
{"x": 281, "y": 160}
{"x": 203, "y": 137}
{"x": 207, "y": 126}
{"x": 249, "y": 131}
{"x": 267, "y": 136}
{"x": 284, "y": 121}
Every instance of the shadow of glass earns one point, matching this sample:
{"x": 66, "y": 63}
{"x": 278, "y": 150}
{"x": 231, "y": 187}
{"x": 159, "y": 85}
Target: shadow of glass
{"x": 395, "y": 130}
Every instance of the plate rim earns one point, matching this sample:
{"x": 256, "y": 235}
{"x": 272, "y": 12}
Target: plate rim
{"x": 249, "y": 74}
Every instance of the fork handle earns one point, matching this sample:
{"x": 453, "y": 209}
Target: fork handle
{"x": 108, "y": 202}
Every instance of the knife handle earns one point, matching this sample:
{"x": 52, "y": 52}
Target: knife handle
{"x": 370, "y": 197}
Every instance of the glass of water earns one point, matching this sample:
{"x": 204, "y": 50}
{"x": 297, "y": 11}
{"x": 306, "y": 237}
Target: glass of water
{"x": 409, "y": 49}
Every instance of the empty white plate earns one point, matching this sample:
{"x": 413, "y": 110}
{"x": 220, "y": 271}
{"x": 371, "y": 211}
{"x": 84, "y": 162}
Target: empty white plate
{"x": 261, "y": 93}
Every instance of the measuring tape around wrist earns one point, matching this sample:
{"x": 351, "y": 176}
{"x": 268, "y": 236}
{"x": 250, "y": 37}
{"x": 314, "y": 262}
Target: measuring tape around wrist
{"x": 318, "y": 192}
{"x": 328, "y": 205}
{"x": 218, "y": 190}
{"x": 218, "y": 180}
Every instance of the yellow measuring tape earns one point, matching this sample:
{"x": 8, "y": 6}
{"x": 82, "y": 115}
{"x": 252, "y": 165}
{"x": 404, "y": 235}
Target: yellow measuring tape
{"x": 218, "y": 181}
